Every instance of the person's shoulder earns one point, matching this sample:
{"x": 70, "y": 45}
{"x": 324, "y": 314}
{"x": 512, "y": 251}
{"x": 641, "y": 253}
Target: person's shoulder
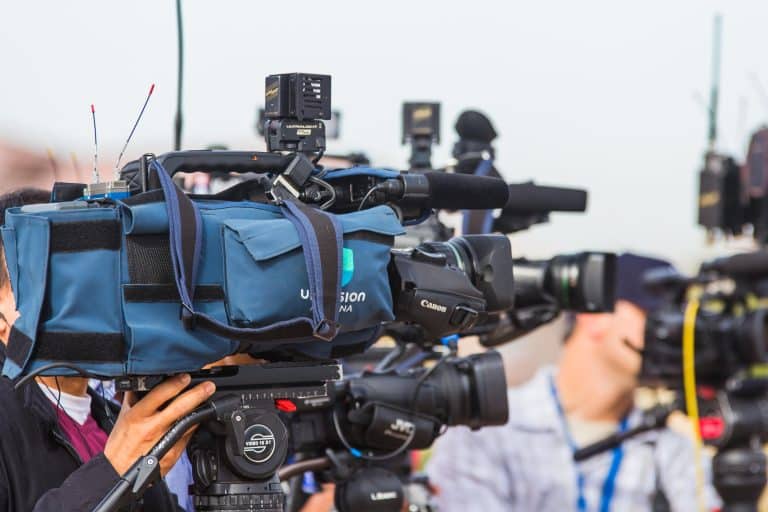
{"x": 530, "y": 403}
{"x": 7, "y": 392}
{"x": 11, "y": 405}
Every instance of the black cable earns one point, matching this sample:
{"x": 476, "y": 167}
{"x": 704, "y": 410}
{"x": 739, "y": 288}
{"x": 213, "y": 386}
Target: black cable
{"x": 297, "y": 468}
{"x": 391, "y": 356}
{"x": 107, "y": 408}
{"x": 369, "y": 456}
{"x": 293, "y": 497}
{"x": 327, "y": 186}
{"x": 179, "y": 80}
{"x": 422, "y": 379}
{"x": 51, "y": 366}
{"x": 60, "y": 408}
{"x": 367, "y": 195}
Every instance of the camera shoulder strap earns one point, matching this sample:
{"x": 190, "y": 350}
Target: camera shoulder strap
{"x": 321, "y": 240}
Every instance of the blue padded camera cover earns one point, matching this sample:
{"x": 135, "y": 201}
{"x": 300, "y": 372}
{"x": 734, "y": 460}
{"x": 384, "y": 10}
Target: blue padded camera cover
{"x": 158, "y": 283}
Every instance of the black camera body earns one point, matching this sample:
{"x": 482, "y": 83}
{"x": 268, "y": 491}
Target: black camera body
{"x": 447, "y": 287}
{"x": 421, "y": 129}
{"x": 381, "y": 411}
{"x": 295, "y": 105}
{"x": 730, "y": 330}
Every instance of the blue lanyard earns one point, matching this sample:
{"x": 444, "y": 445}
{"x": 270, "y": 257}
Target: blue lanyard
{"x": 610, "y": 480}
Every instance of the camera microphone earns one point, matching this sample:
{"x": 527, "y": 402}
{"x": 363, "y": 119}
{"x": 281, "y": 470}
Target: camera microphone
{"x": 741, "y": 265}
{"x": 474, "y": 125}
{"x": 474, "y": 145}
{"x": 441, "y": 190}
{"x": 529, "y": 198}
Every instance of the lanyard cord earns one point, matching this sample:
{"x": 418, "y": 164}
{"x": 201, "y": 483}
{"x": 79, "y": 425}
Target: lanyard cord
{"x": 609, "y": 485}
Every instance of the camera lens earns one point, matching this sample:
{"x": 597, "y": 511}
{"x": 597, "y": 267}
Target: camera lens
{"x": 471, "y": 389}
{"x": 583, "y": 282}
{"x": 487, "y": 262}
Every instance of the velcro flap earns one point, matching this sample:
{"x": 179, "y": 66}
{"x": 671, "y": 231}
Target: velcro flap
{"x": 266, "y": 239}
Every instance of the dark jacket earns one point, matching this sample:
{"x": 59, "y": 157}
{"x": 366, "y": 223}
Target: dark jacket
{"x": 39, "y": 469}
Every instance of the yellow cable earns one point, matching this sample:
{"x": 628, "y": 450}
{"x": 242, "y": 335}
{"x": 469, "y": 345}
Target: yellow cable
{"x": 689, "y": 386}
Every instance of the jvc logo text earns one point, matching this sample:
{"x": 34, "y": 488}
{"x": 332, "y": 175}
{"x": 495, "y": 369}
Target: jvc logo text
{"x": 401, "y": 425}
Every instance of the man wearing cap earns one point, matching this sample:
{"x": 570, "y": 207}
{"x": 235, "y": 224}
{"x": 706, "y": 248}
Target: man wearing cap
{"x": 528, "y": 463}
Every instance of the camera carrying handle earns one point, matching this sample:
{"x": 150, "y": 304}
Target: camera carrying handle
{"x": 211, "y": 160}
{"x": 136, "y": 173}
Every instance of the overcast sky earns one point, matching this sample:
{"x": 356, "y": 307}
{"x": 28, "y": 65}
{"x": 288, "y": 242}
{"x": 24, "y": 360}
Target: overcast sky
{"x": 592, "y": 94}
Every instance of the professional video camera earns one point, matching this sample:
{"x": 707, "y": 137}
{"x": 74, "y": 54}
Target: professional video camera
{"x": 578, "y": 283}
{"x": 440, "y": 288}
{"x": 376, "y": 415}
{"x": 731, "y": 327}
{"x": 262, "y": 413}
{"x": 719, "y": 314}
{"x": 265, "y": 235}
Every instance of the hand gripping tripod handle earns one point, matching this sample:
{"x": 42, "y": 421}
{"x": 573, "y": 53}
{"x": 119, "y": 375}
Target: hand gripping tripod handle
{"x": 147, "y": 469}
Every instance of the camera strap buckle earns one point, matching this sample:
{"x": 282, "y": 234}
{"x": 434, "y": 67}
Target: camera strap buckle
{"x": 326, "y": 330}
{"x": 188, "y": 318}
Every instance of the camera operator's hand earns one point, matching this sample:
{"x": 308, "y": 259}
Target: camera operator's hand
{"x": 142, "y": 423}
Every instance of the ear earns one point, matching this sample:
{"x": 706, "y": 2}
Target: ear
{"x": 8, "y": 313}
{"x": 595, "y": 325}
{"x": 5, "y": 329}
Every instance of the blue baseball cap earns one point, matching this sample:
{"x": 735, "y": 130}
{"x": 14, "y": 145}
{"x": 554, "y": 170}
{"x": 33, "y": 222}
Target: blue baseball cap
{"x": 630, "y": 270}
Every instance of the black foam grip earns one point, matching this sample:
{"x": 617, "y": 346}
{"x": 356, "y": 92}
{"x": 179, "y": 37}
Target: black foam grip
{"x": 746, "y": 264}
{"x": 529, "y": 198}
{"x": 465, "y": 192}
{"x": 474, "y": 125}
{"x": 221, "y": 161}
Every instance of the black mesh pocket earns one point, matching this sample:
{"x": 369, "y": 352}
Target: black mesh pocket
{"x": 149, "y": 259}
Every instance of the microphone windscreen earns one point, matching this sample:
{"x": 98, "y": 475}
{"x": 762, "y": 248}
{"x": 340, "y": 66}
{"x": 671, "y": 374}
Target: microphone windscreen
{"x": 528, "y": 198}
{"x": 474, "y": 125}
{"x": 465, "y": 192}
{"x": 746, "y": 264}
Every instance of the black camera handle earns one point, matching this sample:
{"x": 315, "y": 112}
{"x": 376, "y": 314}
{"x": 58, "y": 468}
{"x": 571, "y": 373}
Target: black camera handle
{"x": 146, "y": 470}
{"x": 654, "y": 419}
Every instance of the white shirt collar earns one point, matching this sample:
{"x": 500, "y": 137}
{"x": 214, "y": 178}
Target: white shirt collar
{"x": 76, "y": 407}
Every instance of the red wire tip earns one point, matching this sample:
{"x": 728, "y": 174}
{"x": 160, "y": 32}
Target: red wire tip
{"x": 151, "y": 89}
{"x": 93, "y": 110}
